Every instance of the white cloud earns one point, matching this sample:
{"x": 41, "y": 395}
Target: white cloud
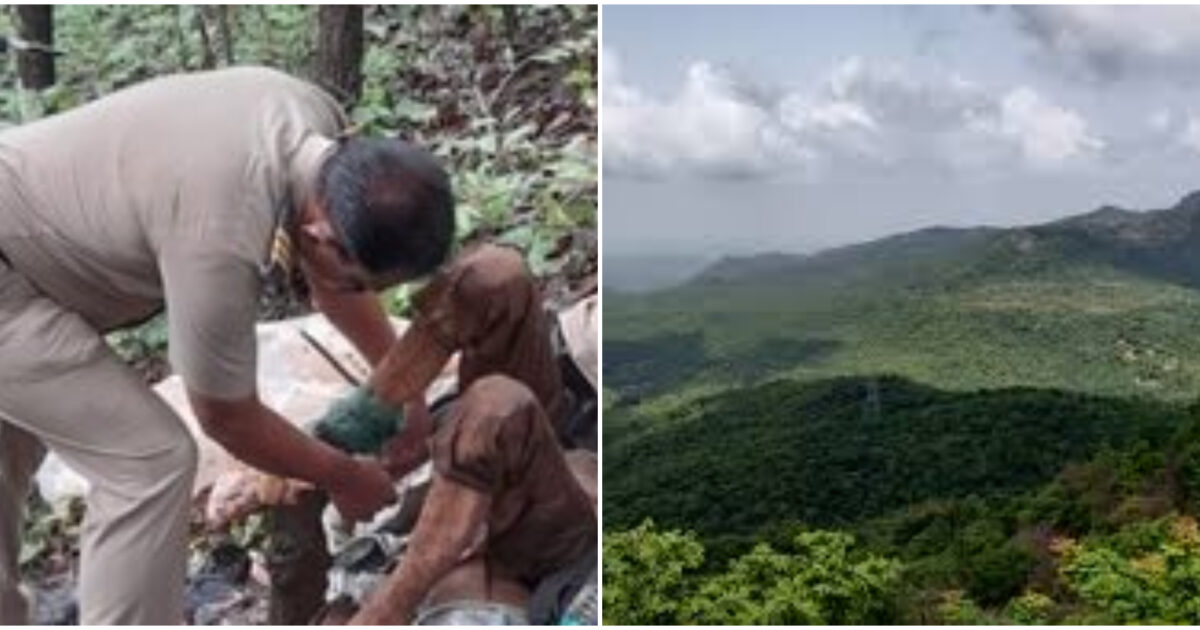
{"x": 1190, "y": 137}
{"x": 713, "y": 126}
{"x": 833, "y": 128}
{"x": 615, "y": 90}
{"x": 1159, "y": 120}
{"x": 1047, "y": 134}
{"x": 860, "y": 115}
{"x": 946, "y": 120}
{"x": 833, "y": 115}
{"x": 1108, "y": 43}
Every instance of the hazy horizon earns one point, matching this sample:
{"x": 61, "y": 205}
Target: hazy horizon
{"x": 699, "y": 251}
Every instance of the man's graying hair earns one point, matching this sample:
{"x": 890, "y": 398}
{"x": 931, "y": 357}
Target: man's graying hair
{"x": 390, "y": 203}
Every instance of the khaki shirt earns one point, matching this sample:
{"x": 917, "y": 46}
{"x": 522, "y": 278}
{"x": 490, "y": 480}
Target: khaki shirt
{"x": 168, "y": 192}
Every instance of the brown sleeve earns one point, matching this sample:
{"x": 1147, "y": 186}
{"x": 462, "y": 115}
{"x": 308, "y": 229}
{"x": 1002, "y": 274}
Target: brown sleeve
{"x": 421, "y": 352}
{"x": 464, "y": 461}
{"x": 494, "y": 435}
{"x": 434, "y": 307}
{"x": 454, "y": 307}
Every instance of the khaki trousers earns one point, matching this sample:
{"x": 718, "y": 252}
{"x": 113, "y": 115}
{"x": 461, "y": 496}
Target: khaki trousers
{"x": 62, "y": 388}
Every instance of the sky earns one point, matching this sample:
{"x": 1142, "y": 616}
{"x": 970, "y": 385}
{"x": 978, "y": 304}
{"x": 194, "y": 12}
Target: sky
{"x": 734, "y": 130}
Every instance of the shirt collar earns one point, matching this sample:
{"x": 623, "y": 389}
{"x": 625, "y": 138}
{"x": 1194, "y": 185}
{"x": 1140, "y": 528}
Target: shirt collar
{"x": 306, "y": 165}
{"x": 303, "y": 170}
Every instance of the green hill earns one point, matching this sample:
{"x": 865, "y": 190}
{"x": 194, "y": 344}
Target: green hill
{"x": 1035, "y": 458}
{"x": 839, "y": 451}
{"x": 978, "y": 497}
{"x": 1105, "y": 302}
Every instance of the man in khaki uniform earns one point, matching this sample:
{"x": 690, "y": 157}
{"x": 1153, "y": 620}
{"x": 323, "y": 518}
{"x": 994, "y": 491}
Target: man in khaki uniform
{"x": 171, "y": 193}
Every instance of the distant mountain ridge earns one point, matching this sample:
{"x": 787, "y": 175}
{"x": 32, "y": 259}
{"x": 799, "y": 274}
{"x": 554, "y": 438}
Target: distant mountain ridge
{"x": 1106, "y": 302}
{"x": 1159, "y": 243}
{"x": 851, "y": 262}
{"x": 641, "y": 273}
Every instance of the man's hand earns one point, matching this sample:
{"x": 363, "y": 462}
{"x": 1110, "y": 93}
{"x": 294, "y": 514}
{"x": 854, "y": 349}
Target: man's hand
{"x": 241, "y": 491}
{"x": 261, "y": 439}
{"x": 362, "y": 489}
{"x": 405, "y": 452}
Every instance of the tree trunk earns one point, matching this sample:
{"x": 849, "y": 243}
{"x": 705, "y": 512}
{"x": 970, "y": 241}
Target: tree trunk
{"x": 340, "y": 50}
{"x": 35, "y": 25}
{"x": 208, "y": 58}
{"x": 226, "y": 33}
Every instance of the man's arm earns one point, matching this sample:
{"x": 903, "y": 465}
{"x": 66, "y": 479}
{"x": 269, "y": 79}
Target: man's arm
{"x": 211, "y": 292}
{"x": 361, "y": 318}
{"x": 258, "y": 436}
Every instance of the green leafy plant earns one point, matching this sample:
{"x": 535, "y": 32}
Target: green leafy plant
{"x": 648, "y": 574}
{"x": 817, "y": 581}
{"x": 1157, "y": 584}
